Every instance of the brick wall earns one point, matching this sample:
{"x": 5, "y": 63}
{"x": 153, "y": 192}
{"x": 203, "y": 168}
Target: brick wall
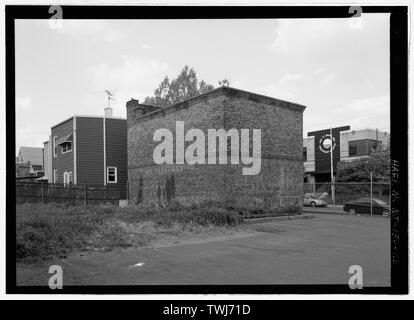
{"x": 278, "y": 185}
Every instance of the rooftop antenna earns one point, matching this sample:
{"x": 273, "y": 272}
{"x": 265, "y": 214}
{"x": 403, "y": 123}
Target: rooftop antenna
{"x": 109, "y": 94}
{"x": 224, "y": 83}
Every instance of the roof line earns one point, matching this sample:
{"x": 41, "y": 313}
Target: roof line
{"x": 86, "y": 116}
{"x": 226, "y": 91}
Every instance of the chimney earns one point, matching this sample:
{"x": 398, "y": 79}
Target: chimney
{"x": 108, "y": 112}
{"x": 134, "y": 110}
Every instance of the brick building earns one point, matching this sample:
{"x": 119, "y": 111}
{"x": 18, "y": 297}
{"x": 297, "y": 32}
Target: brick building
{"x": 279, "y": 183}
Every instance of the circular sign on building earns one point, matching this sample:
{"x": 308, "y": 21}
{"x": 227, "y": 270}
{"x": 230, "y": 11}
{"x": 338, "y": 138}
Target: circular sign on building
{"x": 325, "y": 143}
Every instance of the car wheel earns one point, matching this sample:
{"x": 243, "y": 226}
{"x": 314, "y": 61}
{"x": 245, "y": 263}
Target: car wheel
{"x": 385, "y": 213}
{"x": 351, "y": 211}
{"x": 313, "y": 204}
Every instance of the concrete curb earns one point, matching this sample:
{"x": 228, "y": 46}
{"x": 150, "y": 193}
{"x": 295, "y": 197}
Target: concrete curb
{"x": 326, "y": 212}
{"x": 345, "y": 214}
{"x": 279, "y": 218}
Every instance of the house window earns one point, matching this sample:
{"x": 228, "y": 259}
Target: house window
{"x": 67, "y": 177}
{"x": 111, "y": 175}
{"x": 66, "y": 147}
{"x": 353, "y": 151}
{"x": 55, "y": 176}
{"x": 55, "y": 147}
{"x": 305, "y": 154}
{"x": 361, "y": 147}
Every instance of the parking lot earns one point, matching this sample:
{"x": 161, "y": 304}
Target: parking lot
{"x": 311, "y": 251}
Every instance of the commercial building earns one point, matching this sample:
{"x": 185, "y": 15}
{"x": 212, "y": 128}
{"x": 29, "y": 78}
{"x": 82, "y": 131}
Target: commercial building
{"x": 347, "y": 145}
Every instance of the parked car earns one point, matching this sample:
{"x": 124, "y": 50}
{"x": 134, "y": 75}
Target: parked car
{"x": 363, "y": 206}
{"x": 313, "y": 201}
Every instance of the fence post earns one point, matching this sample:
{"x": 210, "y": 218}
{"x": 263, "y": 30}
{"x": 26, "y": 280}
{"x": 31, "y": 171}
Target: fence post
{"x": 371, "y": 192}
{"x": 43, "y": 201}
{"x": 86, "y": 195}
{"x": 71, "y": 192}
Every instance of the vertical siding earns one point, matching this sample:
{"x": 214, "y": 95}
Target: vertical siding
{"x": 116, "y": 151}
{"x": 50, "y": 159}
{"x": 63, "y": 162}
{"x": 45, "y": 159}
{"x": 89, "y": 151}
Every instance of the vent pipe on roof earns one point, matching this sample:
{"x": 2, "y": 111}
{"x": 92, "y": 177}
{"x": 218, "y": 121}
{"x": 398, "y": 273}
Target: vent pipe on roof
{"x": 108, "y": 112}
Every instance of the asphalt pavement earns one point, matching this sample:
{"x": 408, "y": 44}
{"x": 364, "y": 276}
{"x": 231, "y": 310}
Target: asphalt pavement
{"x": 311, "y": 251}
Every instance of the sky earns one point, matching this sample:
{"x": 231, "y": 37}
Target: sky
{"x": 337, "y": 68}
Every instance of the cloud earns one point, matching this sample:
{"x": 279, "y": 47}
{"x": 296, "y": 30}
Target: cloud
{"x": 370, "y": 105}
{"x": 292, "y": 36}
{"x": 134, "y": 77}
{"x": 338, "y": 68}
{"x": 23, "y": 104}
{"x": 29, "y": 135}
{"x": 296, "y": 86}
{"x": 29, "y": 131}
{"x": 371, "y": 112}
{"x": 145, "y": 46}
{"x": 106, "y": 31}
{"x": 366, "y": 112}
{"x": 322, "y": 41}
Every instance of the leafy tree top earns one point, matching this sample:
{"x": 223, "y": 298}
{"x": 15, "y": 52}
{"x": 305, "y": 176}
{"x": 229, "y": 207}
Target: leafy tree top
{"x": 378, "y": 163}
{"x": 185, "y": 86}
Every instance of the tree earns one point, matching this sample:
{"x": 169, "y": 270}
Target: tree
{"x": 359, "y": 170}
{"x": 185, "y": 86}
{"x": 224, "y": 83}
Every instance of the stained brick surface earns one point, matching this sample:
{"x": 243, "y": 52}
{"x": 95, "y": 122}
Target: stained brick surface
{"x": 279, "y": 183}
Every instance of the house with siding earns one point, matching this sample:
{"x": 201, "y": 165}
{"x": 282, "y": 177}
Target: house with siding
{"x": 90, "y": 150}
{"x": 30, "y": 161}
{"x": 47, "y": 161}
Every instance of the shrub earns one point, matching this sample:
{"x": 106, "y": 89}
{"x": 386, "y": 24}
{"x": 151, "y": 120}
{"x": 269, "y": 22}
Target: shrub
{"x": 175, "y": 206}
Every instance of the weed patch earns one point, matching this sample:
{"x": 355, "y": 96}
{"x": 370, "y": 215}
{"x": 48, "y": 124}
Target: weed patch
{"x": 44, "y": 231}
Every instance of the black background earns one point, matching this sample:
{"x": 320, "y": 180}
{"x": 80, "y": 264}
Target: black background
{"x": 399, "y": 136}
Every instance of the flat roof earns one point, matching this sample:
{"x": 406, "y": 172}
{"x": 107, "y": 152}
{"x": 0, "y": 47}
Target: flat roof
{"x": 363, "y": 129}
{"x": 227, "y": 91}
{"x": 86, "y": 116}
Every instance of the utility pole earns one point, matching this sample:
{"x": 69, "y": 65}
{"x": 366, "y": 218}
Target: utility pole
{"x": 332, "y": 173}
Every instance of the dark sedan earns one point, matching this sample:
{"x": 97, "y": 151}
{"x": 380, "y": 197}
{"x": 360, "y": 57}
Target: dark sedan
{"x": 363, "y": 206}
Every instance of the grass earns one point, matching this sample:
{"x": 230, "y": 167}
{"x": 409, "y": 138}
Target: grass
{"x": 53, "y": 230}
